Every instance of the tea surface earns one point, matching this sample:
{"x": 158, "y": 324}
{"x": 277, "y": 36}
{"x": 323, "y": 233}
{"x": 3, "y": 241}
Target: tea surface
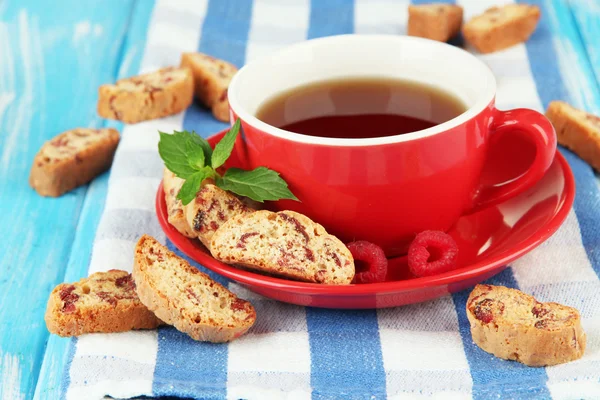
{"x": 360, "y": 108}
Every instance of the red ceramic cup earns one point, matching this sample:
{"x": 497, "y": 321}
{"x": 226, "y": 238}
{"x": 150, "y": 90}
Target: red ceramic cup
{"x": 385, "y": 190}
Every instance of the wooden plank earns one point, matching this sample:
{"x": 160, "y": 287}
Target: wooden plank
{"x": 587, "y": 16}
{"x": 575, "y": 67}
{"x": 53, "y": 57}
{"x": 57, "y": 350}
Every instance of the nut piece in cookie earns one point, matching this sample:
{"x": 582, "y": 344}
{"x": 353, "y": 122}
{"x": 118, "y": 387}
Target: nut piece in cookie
{"x": 501, "y": 27}
{"x": 515, "y": 326}
{"x": 72, "y": 159}
{"x": 435, "y": 21}
{"x": 104, "y": 302}
{"x": 285, "y": 244}
{"x": 186, "y": 298}
{"x": 211, "y": 80}
{"x": 211, "y": 208}
{"x": 171, "y": 186}
{"x": 576, "y": 130}
{"x": 157, "y": 94}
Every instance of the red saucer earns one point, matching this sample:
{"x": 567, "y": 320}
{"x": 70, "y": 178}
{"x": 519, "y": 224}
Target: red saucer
{"x": 488, "y": 241}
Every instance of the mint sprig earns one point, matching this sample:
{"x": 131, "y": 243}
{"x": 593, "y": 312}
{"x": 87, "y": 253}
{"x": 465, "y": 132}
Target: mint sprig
{"x": 191, "y": 158}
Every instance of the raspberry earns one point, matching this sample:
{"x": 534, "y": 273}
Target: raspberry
{"x": 431, "y": 253}
{"x": 370, "y": 259}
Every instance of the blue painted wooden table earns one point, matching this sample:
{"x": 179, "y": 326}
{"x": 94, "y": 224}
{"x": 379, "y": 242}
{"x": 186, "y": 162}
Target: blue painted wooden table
{"x": 53, "y": 57}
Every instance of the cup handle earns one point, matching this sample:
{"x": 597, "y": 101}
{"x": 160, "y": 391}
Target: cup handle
{"x": 537, "y": 127}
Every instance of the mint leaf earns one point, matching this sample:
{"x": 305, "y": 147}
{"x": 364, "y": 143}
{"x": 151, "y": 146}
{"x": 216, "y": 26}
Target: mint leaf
{"x": 192, "y": 184}
{"x": 172, "y": 150}
{"x": 204, "y": 144}
{"x": 195, "y": 154}
{"x": 259, "y": 184}
{"x": 225, "y": 146}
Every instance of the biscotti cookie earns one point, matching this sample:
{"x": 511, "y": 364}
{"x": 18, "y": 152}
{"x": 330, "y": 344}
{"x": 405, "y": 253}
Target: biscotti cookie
{"x": 165, "y": 92}
{"x": 435, "y": 21}
{"x": 576, "y": 130}
{"x": 501, "y": 27}
{"x": 286, "y": 244}
{"x": 515, "y": 326}
{"x": 186, "y": 298}
{"x": 211, "y": 80}
{"x": 176, "y": 217}
{"x": 211, "y": 208}
{"x": 72, "y": 159}
{"x": 105, "y": 302}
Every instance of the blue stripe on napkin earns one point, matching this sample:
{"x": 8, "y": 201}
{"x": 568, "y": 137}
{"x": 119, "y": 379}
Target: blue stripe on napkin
{"x": 487, "y": 369}
{"x": 543, "y": 61}
{"x": 225, "y": 30}
{"x": 550, "y": 86}
{"x": 330, "y": 17}
{"x": 224, "y": 35}
{"x": 345, "y": 353}
{"x": 344, "y": 345}
{"x": 187, "y": 368}
{"x": 179, "y": 358}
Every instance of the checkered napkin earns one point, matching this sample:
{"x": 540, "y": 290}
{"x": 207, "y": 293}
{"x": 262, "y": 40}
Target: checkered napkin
{"x": 417, "y": 351}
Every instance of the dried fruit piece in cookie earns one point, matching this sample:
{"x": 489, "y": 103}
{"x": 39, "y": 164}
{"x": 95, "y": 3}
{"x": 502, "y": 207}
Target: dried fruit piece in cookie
{"x": 186, "y": 298}
{"x": 515, "y": 326}
{"x": 501, "y": 27}
{"x": 72, "y": 159}
{"x": 373, "y": 258}
{"x": 286, "y": 244}
{"x": 431, "y": 253}
{"x": 435, "y": 21}
{"x": 157, "y": 94}
{"x": 576, "y": 130}
{"x": 103, "y": 302}
{"x": 211, "y": 208}
{"x": 176, "y": 215}
{"x": 211, "y": 80}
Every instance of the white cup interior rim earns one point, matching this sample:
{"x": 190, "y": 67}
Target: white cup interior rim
{"x": 485, "y": 96}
